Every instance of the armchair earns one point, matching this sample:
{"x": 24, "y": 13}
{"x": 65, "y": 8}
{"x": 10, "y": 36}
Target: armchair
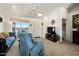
{"x": 29, "y": 47}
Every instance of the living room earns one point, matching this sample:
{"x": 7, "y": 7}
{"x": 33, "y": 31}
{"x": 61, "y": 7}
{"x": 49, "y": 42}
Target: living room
{"x": 37, "y": 19}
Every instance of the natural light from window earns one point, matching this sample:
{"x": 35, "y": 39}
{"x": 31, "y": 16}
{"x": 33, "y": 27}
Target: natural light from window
{"x": 22, "y": 24}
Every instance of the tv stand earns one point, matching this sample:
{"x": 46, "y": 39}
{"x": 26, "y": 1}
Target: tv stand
{"x": 51, "y": 37}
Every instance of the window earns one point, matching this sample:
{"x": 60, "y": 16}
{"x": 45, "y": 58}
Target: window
{"x": 22, "y": 24}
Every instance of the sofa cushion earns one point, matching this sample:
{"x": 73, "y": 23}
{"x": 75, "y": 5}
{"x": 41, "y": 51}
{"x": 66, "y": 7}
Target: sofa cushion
{"x": 36, "y": 49}
{"x": 5, "y": 34}
{"x": 9, "y": 41}
{"x": 1, "y": 36}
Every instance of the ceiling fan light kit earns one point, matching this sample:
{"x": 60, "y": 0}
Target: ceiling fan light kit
{"x": 39, "y": 14}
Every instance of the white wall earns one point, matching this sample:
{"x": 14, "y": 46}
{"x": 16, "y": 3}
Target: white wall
{"x": 56, "y": 15}
{"x": 5, "y": 25}
{"x": 69, "y": 23}
{"x": 1, "y": 27}
{"x": 2, "y": 23}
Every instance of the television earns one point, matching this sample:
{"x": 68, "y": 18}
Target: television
{"x": 50, "y": 29}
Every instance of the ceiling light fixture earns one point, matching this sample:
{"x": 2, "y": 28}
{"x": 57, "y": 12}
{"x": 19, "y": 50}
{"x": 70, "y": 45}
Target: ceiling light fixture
{"x": 39, "y": 14}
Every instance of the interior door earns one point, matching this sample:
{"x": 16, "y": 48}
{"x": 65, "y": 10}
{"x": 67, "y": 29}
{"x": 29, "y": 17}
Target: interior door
{"x": 64, "y": 29}
{"x": 36, "y": 28}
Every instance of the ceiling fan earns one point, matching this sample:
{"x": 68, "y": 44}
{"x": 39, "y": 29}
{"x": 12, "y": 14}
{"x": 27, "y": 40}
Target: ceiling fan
{"x": 36, "y": 11}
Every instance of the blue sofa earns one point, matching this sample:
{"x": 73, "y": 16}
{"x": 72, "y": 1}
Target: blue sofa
{"x": 28, "y": 47}
{"x": 6, "y": 42}
{"x": 10, "y": 39}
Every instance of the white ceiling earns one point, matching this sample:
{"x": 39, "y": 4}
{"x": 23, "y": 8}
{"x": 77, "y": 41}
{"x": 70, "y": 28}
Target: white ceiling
{"x": 25, "y": 9}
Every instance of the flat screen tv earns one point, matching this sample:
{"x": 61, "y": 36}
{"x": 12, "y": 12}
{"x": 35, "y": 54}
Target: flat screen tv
{"x": 50, "y": 29}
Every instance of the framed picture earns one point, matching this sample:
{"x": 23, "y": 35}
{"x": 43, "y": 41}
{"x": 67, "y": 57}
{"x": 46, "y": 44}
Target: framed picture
{"x": 53, "y": 22}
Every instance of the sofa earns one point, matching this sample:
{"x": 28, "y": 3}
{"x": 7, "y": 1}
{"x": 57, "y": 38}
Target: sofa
{"x": 28, "y": 47}
{"x": 10, "y": 39}
{"x": 6, "y": 40}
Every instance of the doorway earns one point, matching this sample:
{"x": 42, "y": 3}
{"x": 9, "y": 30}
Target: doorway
{"x": 64, "y": 29}
{"x": 18, "y": 26}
